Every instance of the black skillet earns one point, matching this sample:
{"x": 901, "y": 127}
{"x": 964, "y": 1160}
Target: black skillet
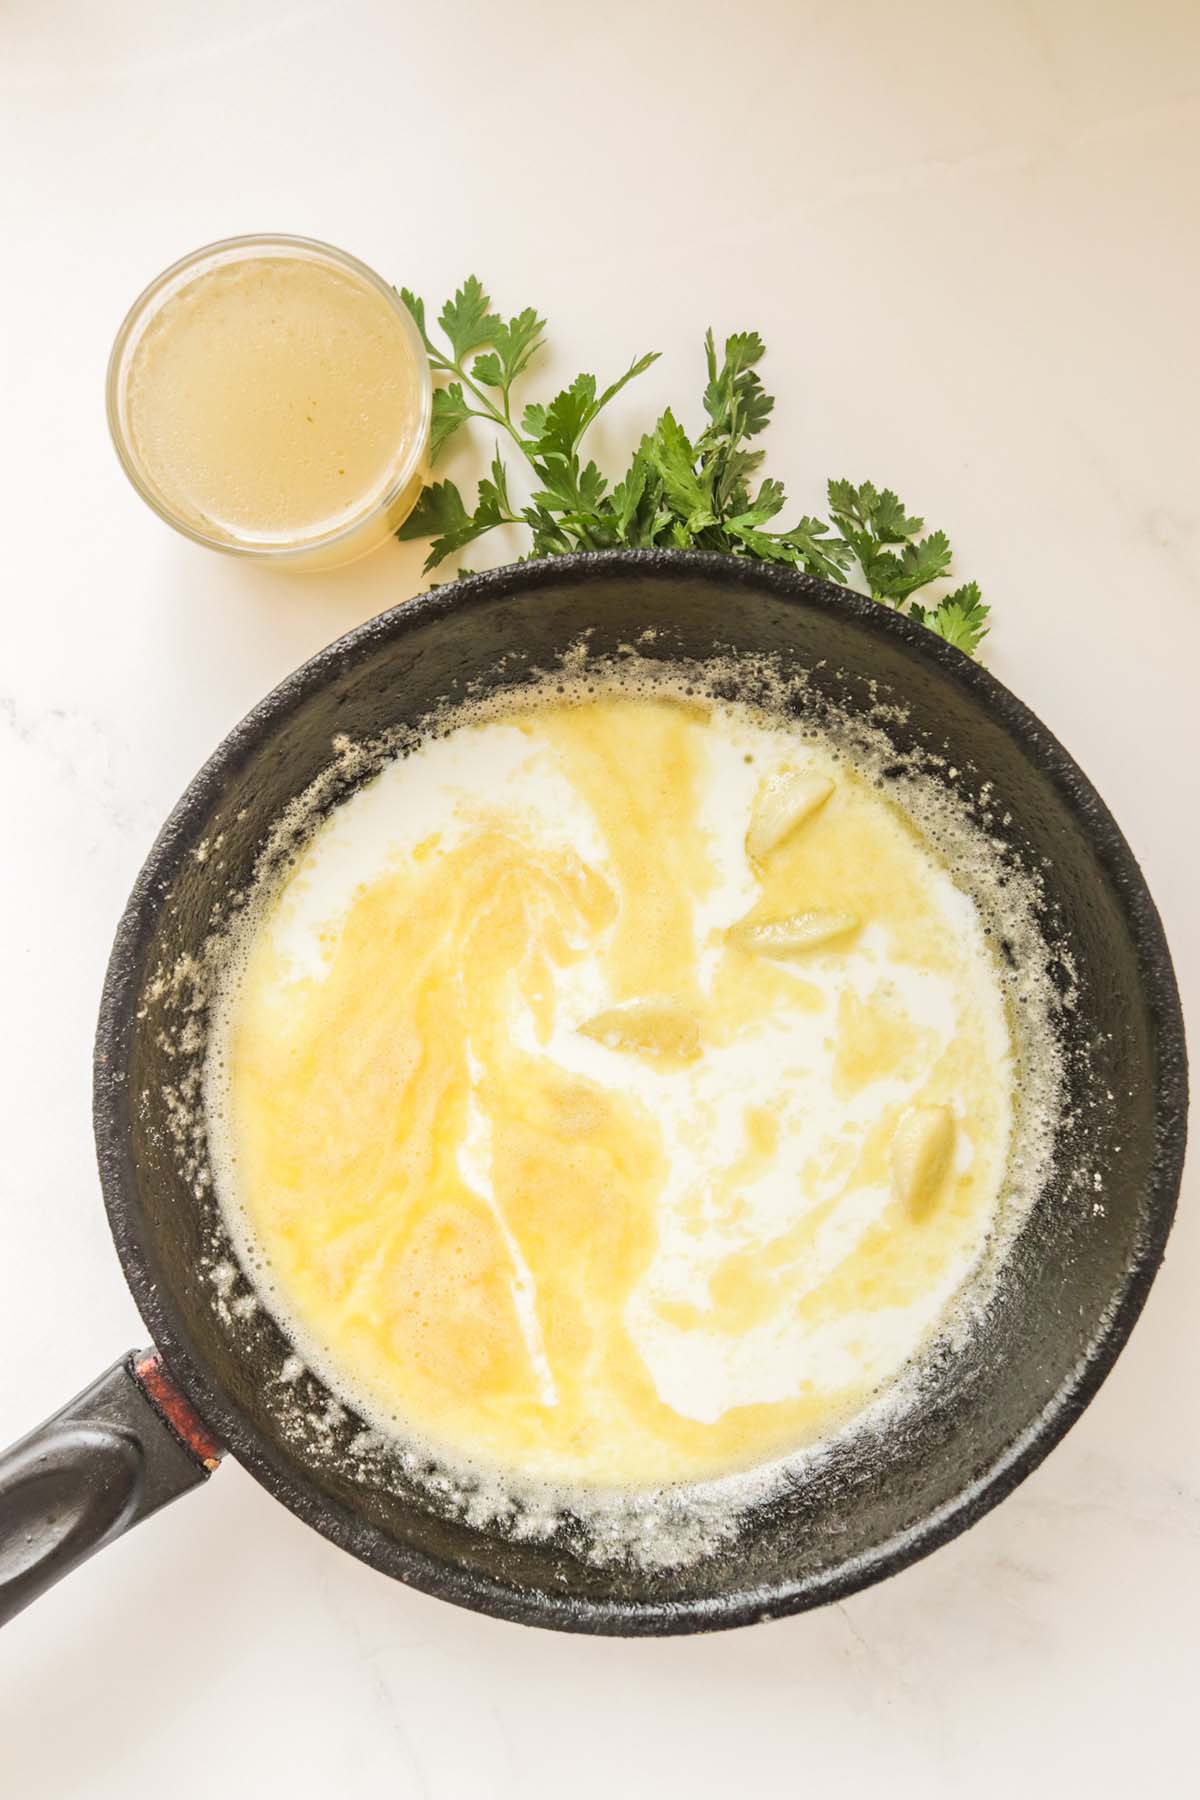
{"x": 1079, "y": 1273}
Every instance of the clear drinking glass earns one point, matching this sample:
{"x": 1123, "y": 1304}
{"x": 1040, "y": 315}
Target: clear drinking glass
{"x": 322, "y": 547}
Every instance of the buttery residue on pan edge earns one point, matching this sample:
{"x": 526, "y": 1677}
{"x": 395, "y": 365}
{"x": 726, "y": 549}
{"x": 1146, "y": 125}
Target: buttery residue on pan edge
{"x": 614, "y": 1094}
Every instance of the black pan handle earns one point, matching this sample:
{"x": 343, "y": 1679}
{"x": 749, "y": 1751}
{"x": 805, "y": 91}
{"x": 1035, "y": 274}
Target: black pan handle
{"x": 110, "y": 1458}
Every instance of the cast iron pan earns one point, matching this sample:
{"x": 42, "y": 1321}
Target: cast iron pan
{"x": 1079, "y": 1273}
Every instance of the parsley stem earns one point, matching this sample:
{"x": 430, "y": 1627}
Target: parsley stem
{"x": 443, "y": 364}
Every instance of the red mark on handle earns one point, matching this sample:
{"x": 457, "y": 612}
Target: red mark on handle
{"x": 176, "y": 1409}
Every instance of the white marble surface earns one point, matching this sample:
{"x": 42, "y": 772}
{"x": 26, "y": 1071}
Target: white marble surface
{"x": 969, "y": 234}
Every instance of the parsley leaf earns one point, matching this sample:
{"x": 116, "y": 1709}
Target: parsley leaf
{"x": 735, "y": 400}
{"x": 674, "y": 459}
{"x": 450, "y": 410}
{"x": 533, "y": 422}
{"x": 871, "y": 523}
{"x": 440, "y": 514}
{"x": 466, "y": 319}
{"x": 817, "y": 550}
{"x": 513, "y": 348}
{"x": 636, "y": 368}
{"x": 566, "y": 419}
{"x": 961, "y": 618}
{"x": 872, "y": 514}
{"x": 417, "y": 308}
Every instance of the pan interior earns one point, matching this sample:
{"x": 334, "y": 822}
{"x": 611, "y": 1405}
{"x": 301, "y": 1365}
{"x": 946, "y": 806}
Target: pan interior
{"x": 647, "y": 1524}
{"x": 935, "y": 744}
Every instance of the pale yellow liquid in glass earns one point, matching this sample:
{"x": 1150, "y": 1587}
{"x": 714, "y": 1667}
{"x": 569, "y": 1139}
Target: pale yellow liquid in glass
{"x": 274, "y": 401}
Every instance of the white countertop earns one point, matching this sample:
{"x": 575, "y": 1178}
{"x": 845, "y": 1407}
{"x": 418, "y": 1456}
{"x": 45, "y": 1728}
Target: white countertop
{"x": 970, "y": 236}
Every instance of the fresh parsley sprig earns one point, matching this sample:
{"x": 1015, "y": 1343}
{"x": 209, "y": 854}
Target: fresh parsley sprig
{"x": 676, "y": 492}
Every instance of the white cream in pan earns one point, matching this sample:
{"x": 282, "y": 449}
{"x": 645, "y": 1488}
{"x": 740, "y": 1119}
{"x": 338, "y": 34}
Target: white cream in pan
{"x": 617, "y": 1093}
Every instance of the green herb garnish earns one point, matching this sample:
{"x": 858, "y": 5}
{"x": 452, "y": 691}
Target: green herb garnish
{"x": 677, "y": 492}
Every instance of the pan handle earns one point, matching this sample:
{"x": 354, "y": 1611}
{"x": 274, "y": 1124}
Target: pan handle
{"x": 116, "y": 1453}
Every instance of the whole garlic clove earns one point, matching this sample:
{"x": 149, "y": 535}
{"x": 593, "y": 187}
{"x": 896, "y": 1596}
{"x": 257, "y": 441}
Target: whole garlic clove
{"x": 661, "y": 1030}
{"x": 923, "y": 1155}
{"x": 783, "y": 804}
{"x": 793, "y": 935}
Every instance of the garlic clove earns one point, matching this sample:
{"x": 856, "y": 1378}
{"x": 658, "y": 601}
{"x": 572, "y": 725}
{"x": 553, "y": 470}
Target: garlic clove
{"x": 660, "y": 1030}
{"x": 783, "y": 804}
{"x": 922, "y": 1156}
{"x": 793, "y": 935}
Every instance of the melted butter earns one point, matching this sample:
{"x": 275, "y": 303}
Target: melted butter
{"x": 494, "y": 1215}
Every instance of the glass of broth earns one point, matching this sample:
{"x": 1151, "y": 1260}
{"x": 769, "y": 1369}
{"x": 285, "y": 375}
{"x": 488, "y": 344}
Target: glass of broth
{"x": 270, "y": 396}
